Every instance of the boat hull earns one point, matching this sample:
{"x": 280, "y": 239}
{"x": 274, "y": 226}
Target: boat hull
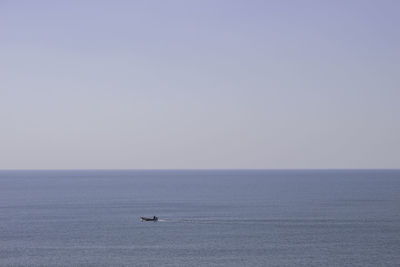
{"x": 149, "y": 219}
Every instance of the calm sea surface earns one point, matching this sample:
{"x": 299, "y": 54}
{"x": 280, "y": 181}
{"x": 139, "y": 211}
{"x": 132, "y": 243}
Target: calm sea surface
{"x": 207, "y": 218}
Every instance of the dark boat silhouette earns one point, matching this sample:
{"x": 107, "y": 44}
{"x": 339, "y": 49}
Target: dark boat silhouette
{"x": 154, "y": 219}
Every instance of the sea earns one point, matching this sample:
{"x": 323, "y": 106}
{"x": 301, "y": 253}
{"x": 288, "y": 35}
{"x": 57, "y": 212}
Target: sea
{"x": 206, "y": 218}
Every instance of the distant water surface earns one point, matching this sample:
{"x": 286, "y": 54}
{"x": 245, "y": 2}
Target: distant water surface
{"x": 207, "y": 218}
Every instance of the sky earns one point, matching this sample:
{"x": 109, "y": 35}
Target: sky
{"x": 199, "y": 84}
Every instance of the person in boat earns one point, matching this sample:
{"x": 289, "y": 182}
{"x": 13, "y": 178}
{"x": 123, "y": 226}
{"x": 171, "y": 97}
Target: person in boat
{"x": 155, "y": 218}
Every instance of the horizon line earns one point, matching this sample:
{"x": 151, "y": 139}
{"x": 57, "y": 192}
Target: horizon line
{"x": 205, "y": 169}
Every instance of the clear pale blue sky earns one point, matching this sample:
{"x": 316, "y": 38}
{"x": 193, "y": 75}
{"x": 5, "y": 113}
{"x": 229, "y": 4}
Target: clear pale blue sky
{"x": 199, "y": 84}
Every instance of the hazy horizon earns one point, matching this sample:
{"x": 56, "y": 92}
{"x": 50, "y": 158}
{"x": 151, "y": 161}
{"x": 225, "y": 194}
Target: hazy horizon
{"x": 216, "y": 169}
{"x": 199, "y": 85}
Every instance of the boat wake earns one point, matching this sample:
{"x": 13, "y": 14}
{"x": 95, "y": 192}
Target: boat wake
{"x": 270, "y": 221}
{"x": 204, "y": 220}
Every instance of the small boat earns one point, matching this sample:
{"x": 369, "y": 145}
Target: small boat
{"x": 154, "y": 219}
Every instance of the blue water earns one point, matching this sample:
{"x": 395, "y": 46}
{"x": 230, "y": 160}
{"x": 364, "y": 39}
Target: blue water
{"x": 207, "y": 218}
